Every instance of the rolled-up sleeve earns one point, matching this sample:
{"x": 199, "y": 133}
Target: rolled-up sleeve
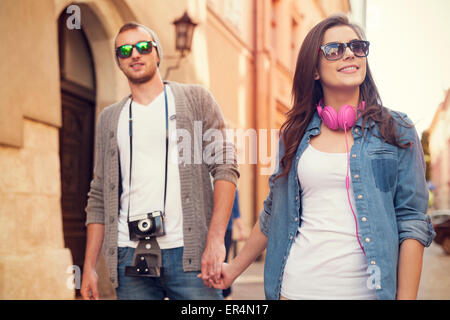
{"x": 420, "y": 230}
{"x": 411, "y": 196}
{"x": 219, "y": 153}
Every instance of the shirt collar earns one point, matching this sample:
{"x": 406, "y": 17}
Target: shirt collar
{"x": 315, "y": 122}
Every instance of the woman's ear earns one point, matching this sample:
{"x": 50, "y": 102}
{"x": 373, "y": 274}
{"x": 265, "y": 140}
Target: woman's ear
{"x": 316, "y": 75}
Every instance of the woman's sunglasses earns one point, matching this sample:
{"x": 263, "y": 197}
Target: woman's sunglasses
{"x": 335, "y": 50}
{"x": 143, "y": 47}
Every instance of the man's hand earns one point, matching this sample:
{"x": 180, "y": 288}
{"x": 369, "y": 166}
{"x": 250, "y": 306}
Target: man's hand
{"x": 89, "y": 285}
{"x": 212, "y": 259}
{"x": 95, "y": 235}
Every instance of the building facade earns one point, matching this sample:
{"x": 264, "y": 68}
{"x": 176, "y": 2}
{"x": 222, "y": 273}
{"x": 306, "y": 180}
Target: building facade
{"x": 62, "y": 73}
{"x": 439, "y": 145}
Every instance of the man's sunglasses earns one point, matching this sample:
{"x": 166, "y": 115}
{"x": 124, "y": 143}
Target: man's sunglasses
{"x": 143, "y": 47}
{"x": 335, "y": 50}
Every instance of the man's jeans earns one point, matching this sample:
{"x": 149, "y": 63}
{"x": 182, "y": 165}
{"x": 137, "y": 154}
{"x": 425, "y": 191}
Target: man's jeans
{"x": 174, "y": 283}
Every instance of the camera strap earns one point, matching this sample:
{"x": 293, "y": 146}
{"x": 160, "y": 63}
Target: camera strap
{"x": 130, "y": 125}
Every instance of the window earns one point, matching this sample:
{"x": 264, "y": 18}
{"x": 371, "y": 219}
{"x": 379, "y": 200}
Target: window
{"x": 233, "y": 12}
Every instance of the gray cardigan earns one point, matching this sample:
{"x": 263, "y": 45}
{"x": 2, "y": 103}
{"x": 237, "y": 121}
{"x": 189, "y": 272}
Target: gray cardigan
{"x": 194, "y": 105}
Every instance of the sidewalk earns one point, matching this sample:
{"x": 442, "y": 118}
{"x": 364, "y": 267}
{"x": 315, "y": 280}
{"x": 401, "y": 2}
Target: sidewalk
{"x": 434, "y": 285}
{"x": 250, "y": 285}
{"x": 435, "y": 280}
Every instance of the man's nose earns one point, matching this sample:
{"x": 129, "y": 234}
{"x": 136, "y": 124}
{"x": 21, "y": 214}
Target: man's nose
{"x": 135, "y": 53}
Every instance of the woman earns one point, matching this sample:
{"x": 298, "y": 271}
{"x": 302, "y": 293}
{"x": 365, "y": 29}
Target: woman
{"x": 345, "y": 217}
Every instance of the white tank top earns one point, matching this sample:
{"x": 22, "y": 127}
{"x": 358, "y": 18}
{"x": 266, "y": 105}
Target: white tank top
{"x": 325, "y": 260}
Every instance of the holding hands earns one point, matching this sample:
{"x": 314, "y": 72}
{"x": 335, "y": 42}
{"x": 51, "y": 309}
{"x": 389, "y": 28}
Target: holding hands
{"x": 226, "y": 279}
{"x": 223, "y": 279}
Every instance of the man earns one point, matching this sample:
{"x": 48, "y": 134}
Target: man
{"x": 195, "y": 216}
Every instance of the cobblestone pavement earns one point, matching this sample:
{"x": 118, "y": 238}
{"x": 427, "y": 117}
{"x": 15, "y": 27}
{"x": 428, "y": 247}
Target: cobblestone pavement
{"x": 434, "y": 285}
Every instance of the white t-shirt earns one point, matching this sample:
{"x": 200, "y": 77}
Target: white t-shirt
{"x": 325, "y": 260}
{"x": 147, "y": 181}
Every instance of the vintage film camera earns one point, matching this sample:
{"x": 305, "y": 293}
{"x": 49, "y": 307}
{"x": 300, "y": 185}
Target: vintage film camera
{"x": 146, "y": 225}
{"x": 147, "y": 259}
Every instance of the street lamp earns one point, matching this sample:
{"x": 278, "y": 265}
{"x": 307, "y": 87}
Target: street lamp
{"x": 184, "y": 28}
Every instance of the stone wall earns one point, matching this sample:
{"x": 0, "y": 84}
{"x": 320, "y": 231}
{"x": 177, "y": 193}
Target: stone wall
{"x": 33, "y": 261}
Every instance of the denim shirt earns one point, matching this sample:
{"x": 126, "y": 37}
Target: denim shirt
{"x": 391, "y": 198}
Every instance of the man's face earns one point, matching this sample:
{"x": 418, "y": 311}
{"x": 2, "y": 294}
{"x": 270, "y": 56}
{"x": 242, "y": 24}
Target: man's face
{"x": 138, "y": 68}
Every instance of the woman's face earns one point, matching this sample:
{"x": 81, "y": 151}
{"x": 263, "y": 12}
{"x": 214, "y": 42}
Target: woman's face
{"x": 346, "y": 73}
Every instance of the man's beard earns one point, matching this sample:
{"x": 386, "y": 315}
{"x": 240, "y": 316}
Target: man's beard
{"x": 142, "y": 79}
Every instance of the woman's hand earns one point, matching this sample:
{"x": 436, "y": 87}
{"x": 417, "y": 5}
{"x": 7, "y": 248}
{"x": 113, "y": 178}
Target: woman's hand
{"x": 226, "y": 279}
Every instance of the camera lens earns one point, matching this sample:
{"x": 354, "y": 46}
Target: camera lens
{"x": 145, "y": 225}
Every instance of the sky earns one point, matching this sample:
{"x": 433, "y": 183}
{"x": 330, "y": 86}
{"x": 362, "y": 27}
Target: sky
{"x": 410, "y": 55}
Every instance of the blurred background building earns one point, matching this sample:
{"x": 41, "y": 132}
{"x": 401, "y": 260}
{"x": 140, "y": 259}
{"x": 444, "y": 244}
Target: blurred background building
{"x": 57, "y": 78}
{"x": 439, "y": 148}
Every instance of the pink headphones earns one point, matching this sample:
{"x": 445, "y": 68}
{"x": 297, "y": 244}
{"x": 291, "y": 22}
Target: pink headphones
{"x": 344, "y": 119}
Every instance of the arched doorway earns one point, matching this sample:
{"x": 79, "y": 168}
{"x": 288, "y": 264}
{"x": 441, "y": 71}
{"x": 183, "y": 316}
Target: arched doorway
{"x": 89, "y": 82}
{"x": 76, "y": 135}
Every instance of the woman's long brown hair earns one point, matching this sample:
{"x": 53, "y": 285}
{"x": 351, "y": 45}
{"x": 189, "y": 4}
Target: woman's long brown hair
{"x": 306, "y": 93}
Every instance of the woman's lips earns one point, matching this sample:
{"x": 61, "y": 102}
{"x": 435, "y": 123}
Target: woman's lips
{"x": 349, "y": 69}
